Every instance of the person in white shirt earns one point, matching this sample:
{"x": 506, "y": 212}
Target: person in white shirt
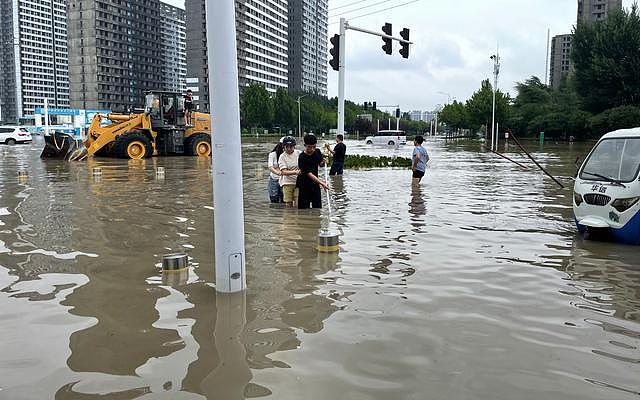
{"x": 288, "y": 164}
{"x": 275, "y": 191}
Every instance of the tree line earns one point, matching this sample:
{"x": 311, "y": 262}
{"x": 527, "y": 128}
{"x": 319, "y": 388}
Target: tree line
{"x": 278, "y": 112}
{"x": 601, "y": 94}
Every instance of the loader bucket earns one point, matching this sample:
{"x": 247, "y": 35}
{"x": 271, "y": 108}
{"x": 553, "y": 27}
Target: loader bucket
{"x": 63, "y": 146}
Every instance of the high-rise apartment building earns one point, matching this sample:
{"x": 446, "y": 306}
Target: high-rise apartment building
{"x": 588, "y": 11}
{"x": 262, "y": 43}
{"x": 560, "y": 58}
{"x": 173, "y": 44}
{"x": 596, "y": 10}
{"x": 114, "y": 52}
{"x": 308, "y": 21}
{"x": 33, "y": 57}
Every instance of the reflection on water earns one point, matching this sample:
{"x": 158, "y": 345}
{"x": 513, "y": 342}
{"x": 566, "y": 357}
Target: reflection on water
{"x": 471, "y": 285}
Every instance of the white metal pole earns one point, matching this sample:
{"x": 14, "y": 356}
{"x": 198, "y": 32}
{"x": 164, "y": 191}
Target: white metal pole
{"x": 341, "y": 77}
{"x": 431, "y": 128}
{"x": 389, "y": 124}
{"x": 378, "y": 130}
{"x": 497, "y": 135}
{"x": 546, "y": 62}
{"x": 299, "y": 124}
{"x": 46, "y": 116}
{"x": 436, "y": 126}
{"x": 227, "y": 156}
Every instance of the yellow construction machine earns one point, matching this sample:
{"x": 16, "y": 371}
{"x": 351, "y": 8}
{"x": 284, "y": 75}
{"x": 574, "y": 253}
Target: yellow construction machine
{"x": 159, "y": 129}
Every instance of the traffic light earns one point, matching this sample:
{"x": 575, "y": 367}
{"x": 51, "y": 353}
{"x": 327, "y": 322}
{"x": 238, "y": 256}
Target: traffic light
{"x": 335, "y": 52}
{"x": 404, "y": 46}
{"x": 373, "y": 107}
{"x": 387, "y": 41}
{"x": 397, "y": 113}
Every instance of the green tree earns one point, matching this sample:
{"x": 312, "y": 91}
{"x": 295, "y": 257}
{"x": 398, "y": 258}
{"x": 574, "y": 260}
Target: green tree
{"x": 480, "y": 105}
{"x": 285, "y": 110}
{"x": 607, "y": 61}
{"x": 455, "y": 115}
{"x": 256, "y": 106}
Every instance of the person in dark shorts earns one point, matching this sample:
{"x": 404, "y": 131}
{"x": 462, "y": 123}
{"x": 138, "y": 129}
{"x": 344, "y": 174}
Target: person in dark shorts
{"x": 339, "y": 151}
{"x": 419, "y": 158}
{"x": 188, "y": 107}
{"x": 309, "y": 184}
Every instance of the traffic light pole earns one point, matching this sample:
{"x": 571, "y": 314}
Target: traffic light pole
{"x": 344, "y": 26}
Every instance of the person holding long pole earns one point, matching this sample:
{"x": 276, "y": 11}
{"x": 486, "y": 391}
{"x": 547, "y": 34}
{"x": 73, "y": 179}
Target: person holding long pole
{"x": 309, "y": 183}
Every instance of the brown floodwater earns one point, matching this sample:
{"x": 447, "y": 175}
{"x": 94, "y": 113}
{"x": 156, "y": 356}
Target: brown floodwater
{"x": 473, "y": 286}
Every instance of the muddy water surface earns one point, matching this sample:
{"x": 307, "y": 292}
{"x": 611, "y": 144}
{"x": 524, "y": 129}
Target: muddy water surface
{"x": 472, "y": 286}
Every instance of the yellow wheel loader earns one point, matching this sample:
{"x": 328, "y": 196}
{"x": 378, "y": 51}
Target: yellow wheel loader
{"x": 159, "y": 129}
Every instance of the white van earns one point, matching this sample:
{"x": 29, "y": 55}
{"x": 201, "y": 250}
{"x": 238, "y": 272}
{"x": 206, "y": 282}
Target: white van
{"x": 14, "y": 134}
{"x": 606, "y": 194}
{"x": 389, "y": 137}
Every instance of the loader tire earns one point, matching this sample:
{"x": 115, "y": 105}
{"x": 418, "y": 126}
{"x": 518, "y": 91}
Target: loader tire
{"x": 198, "y": 145}
{"x": 133, "y": 145}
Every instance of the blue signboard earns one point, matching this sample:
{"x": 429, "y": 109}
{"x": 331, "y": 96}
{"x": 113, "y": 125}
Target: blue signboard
{"x": 58, "y": 111}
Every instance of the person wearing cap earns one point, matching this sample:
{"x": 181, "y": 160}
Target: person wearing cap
{"x": 419, "y": 160}
{"x": 309, "y": 184}
{"x": 288, "y": 164}
{"x": 338, "y": 152}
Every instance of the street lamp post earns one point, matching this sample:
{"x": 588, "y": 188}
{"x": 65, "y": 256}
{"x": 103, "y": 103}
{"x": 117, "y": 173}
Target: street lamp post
{"x": 496, "y": 71}
{"x": 299, "y": 124}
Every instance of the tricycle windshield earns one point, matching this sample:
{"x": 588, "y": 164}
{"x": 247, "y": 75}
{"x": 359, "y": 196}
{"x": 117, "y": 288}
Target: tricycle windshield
{"x": 615, "y": 158}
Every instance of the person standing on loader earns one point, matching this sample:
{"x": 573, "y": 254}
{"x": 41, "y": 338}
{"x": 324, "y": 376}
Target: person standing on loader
{"x": 188, "y": 107}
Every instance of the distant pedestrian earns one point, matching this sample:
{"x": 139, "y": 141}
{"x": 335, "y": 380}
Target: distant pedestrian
{"x": 288, "y": 164}
{"x": 338, "y": 152}
{"x": 275, "y": 191}
{"x": 188, "y": 107}
{"x": 420, "y": 158}
{"x": 309, "y": 184}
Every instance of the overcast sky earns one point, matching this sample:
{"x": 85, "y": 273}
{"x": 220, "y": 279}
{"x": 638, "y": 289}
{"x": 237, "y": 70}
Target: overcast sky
{"x": 453, "y": 40}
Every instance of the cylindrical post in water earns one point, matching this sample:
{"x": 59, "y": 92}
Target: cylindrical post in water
{"x": 97, "y": 171}
{"x": 175, "y": 270}
{"x": 228, "y": 217}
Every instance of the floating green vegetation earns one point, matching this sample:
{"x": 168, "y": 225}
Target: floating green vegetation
{"x": 358, "y": 161}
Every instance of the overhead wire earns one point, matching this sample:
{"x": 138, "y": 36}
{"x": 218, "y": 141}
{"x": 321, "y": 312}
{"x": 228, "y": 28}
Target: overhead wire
{"x": 358, "y": 9}
{"x": 347, "y": 5}
{"x": 377, "y": 11}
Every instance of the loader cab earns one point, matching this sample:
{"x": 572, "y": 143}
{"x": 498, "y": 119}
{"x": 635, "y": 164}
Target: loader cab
{"x": 166, "y": 109}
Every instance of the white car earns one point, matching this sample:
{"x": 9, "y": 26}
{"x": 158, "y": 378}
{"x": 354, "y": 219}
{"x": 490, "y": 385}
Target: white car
{"x": 14, "y": 134}
{"x": 387, "y": 137}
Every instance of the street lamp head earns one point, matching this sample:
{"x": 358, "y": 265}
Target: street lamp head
{"x": 493, "y": 57}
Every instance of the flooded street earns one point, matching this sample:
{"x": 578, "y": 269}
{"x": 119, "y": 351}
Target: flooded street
{"x": 472, "y": 286}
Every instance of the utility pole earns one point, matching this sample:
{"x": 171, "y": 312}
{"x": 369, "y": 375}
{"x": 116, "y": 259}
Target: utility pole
{"x": 546, "y": 63}
{"x": 228, "y": 221}
{"x": 299, "y": 124}
{"x": 496, "y": 71}
{"x": 341, "y": 72}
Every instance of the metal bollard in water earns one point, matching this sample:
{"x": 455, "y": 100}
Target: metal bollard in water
{"x": 328, "y": 242}
{"x": 97, "y": 171}
{"x": 174, "y": 262}
{"x": 22, "y": 174}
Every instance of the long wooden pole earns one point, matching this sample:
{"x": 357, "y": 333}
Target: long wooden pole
{"x": 534, "y": 161}
{"x": 507, "y": 158}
